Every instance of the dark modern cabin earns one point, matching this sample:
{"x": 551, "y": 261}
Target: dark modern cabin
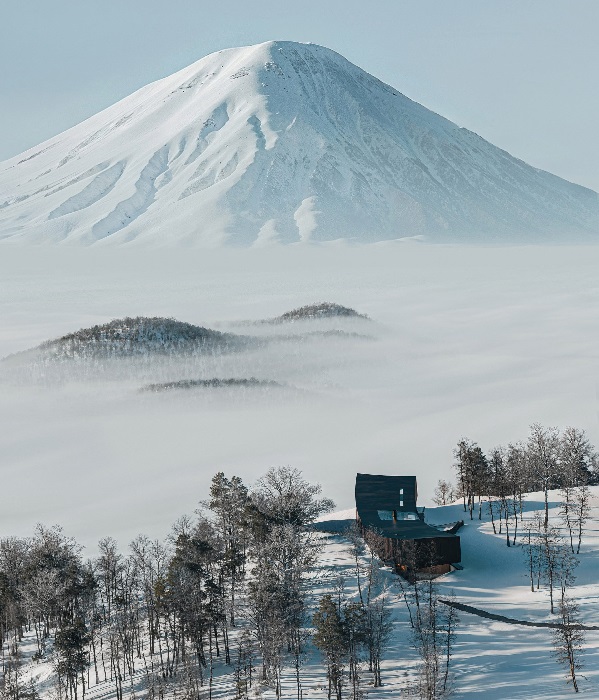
{"x": 388, "y": 516}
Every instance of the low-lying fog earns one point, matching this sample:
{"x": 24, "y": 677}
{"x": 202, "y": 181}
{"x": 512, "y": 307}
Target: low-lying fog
{"x": 476, "y": 342}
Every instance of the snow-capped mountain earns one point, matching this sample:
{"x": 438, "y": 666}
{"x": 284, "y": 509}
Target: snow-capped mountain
{"x": 279, "y": 142}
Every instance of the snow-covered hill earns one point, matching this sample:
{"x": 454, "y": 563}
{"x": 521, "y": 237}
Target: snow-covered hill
{"x": 279, "y": 142}
{"x": 127, "y": 345}
{"x": 491, "y": 659}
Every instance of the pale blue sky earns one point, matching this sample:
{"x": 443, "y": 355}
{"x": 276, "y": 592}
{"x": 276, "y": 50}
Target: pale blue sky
{"x": 521, "y": 73}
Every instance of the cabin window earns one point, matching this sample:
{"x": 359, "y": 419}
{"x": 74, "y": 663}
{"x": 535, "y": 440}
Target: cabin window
{"x": 401, "y": 498}
{"x": 396, "y": 515}
{"x": 385, "y": 514}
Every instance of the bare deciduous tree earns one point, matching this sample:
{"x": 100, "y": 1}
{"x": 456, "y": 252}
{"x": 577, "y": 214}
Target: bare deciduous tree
{"x": 444, "y": 493}
{"x": 568, "y": 639}
{"x": 543, "y": 452}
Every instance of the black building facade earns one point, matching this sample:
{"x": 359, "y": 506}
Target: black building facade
{"x": 386, "y": 508}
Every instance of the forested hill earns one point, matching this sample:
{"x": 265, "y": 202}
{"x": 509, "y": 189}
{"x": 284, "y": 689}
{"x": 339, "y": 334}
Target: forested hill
{"x": 142, "y": 335}
{"x": 322, "y": 310}
{"x": 142, "y": 347}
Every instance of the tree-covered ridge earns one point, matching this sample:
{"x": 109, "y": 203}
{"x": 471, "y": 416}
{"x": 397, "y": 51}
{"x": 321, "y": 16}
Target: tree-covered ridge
{"x": 320, "y": 310}
{"x": 140, "y": 335}
{"x": 163, "y": 337}
{"x": 214, "y": 383}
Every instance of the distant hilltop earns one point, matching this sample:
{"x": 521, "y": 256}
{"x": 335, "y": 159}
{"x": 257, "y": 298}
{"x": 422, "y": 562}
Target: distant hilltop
{"x": 281, "y": 142}
{"x": 130, "y": 337}
{"x": 311, "y": 311}
{"x": 154, "y": 341}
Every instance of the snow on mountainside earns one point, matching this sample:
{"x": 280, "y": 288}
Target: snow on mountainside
{"x": 279, "y": 142}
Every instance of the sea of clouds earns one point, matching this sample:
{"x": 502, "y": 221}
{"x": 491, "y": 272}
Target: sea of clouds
{"x": 464, "y": 341}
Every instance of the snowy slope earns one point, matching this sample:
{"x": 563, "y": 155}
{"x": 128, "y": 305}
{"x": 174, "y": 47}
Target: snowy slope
{"x": 279, "y": 142}
{"x": 491, "y": 660}
{"x": 495, "y": 660}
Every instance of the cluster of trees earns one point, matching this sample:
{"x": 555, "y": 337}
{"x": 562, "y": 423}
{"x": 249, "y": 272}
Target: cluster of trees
{"x": 548, "y": 460}
{"x": 433, "y": 621}
{"x": 344, "y": 632}
{"x": 551, "y": 556}
{"x": 228, "y": 587}
{"x": 129, "y": 337}
{"x": 353, "y": 632}
{"x": 230, "y": 593}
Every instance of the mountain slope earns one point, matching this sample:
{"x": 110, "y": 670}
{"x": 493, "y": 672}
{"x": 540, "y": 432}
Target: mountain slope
{"x": 279, "y": 142}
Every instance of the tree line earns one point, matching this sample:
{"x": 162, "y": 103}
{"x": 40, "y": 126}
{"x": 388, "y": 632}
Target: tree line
{"x": 227, "y": 603}
{"x": 228, "y": 587}
{"x": 231, "y": 594}
{"x": 547, "y": 460}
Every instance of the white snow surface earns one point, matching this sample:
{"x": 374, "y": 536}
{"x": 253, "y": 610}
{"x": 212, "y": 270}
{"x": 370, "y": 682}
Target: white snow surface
{"x": 279, "y": 142}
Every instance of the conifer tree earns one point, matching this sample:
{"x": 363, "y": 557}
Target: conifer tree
{"x": 329, "y": 637}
